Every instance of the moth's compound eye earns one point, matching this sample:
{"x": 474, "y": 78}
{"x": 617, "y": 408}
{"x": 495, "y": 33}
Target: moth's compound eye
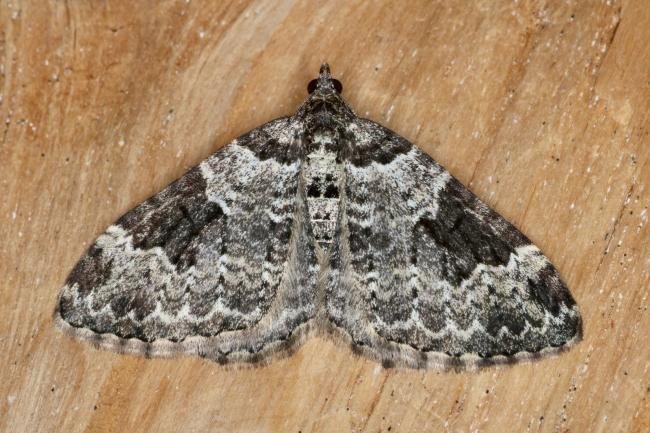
{"x": 337, "y": 85}
{"x": 312, "y": 85}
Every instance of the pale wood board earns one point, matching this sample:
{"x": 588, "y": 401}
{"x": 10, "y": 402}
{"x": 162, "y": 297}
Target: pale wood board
{"x": 541, "y": 107}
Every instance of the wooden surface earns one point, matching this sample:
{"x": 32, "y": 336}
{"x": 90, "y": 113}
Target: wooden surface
{"x": 541, "y": 107}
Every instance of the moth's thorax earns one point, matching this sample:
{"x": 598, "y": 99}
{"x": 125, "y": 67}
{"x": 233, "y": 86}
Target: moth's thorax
{"x": 325, "y": 115}
{"x": 322, "y": 174}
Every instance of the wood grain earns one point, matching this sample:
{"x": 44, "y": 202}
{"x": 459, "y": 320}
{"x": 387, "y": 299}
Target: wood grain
{"x": 541, "y": 107}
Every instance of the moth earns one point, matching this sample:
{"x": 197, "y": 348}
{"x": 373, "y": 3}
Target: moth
{"x": 319, "y": 223}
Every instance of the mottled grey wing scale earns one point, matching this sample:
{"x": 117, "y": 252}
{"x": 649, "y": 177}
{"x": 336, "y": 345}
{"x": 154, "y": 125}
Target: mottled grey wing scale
{"x": 426, "y": 275}
{"x": 219, "y": 264}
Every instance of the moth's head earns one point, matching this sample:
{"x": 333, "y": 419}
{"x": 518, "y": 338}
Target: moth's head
{"x": 324, "y": 84}
{"x": 325, "y": 104}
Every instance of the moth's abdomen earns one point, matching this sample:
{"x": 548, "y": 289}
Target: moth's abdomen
{"x": 323, "y": 183}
